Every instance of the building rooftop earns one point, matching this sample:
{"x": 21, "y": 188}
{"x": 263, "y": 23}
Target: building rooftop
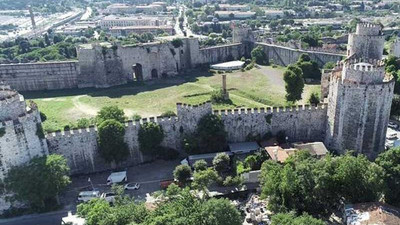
{"x": 315, "y": 148}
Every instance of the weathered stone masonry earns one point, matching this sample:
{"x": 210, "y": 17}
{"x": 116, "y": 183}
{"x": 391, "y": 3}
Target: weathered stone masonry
{"x": 80, "y": 146}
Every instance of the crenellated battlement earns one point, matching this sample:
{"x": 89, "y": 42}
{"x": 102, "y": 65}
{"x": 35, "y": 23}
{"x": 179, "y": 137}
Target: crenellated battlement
{"x": 366, "y": 28}
{"x": 268, "y": 110}
{"x": 21, "y": 119}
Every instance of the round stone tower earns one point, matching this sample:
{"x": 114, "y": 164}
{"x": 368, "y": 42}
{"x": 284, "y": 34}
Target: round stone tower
{"x": 360, "y": 96}
{"x": 367, "y": 42}
{"x": 21, "y": 135}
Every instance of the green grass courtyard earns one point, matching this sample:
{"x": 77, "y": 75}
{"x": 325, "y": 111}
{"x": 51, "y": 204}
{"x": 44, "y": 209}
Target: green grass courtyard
{"x": 255, "y": 88}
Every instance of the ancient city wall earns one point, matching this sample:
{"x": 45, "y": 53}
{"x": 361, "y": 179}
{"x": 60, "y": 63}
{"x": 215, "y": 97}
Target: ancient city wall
{"x": 80, "y": 146}
{"x": 40, "y": 76}
{"x": 284, "y": 56}
{"x": 222, "y": 53}
{"x": 303, "y": 123}
{"x": 20, "y": 142}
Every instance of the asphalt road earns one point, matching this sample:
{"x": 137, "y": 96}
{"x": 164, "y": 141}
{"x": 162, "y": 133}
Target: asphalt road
{"x": 148, "y": 175}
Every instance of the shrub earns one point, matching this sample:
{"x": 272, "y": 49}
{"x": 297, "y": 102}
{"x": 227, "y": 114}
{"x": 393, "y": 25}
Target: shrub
{"x": 39, "y": 130}
{"x": 314, "y": 99}
{"x": 217, "y": 96}
{"x": 168, "y": 114}
{"x": 200, "y": 165}
{"x": 240, "y": 168}
{"x": 221, "y": 162}
{"x": 136, "y": 117}
{"x": 258, "y": 55}
{"x": 150, "y": 137}
{"x": 177, "y": 42}
{"x": 233, "y": 181}
{"x": 182, "y": 173}
{"x": 110, "y": 112}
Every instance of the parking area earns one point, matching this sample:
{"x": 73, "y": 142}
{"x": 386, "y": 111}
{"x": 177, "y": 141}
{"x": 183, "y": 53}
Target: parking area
{"x": 147, "y": 175}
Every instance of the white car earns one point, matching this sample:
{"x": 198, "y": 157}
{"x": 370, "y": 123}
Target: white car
{"x": 86, "y": 196}
{"x": 392, "y": 136}
{"x": 393, "y": 125}
{"x": 108, "y": 196}
{"x": 132, "y": 186}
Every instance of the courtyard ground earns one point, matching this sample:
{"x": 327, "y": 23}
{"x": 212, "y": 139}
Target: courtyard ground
{"x": 260, "y": 87}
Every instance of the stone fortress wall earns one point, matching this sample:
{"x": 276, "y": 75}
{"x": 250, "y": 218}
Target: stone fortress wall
{"x": 284, "y": 56}
{"x": 101, "y": 65}
{"x": 40, "y": 76}
{"x": 304, "y": 123}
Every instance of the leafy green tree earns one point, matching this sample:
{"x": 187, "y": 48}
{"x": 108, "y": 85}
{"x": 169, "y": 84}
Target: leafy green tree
{"x": 211, "y": 135}
{"x": 294, "y": 85}
{"x": 188, "y": 209}
{"x": 110, "y": 112}
{"x": 314, "y": 98}
{"x": 168, "y": 114}
{"x": 291, "y": 219}
{"x": 202, "y": 179}
{"x": 258, "y": 55}
{"x": 222, "y": 212}
{"x": 221, "y": 162}
{"x": 200, "y": 165}
{"x": 39, "y": 181}
{"x": 390, "y": 162}
{"x": 150, "y": 137}
{"x": 305, "y": 184}
{"x": 124, "y": 211}
{"x": 112, "y": 146}
{"x": 182, "y": 173}
{"x": 310, "y": 69}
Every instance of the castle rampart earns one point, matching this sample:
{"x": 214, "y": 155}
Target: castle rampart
{"x": 79, "y": 146}
{"x": 40, "y": 76}
{"x": 284, "y": 55}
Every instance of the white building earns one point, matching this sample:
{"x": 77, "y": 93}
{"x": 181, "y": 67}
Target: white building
{"x": 229, "y": 7}
{"x": 274, "y": 13}
{"x": 121, "y": 9}
{"x": 125, "y": 31}
{"x": 235, "y": 14}
{"x": 115, "y": 21}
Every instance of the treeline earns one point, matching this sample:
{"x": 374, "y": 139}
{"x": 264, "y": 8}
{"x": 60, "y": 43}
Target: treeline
{"x": 43, "y": 6}
{"x": 50, "y": 47}
{"x": 304, "y": 184}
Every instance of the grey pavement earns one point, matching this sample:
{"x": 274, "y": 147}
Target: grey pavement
{"x": 148, "y": 175}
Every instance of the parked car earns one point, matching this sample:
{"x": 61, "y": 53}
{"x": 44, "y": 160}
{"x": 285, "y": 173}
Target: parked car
{"x": 86, "y": 196}
{"x": 108, "y": 196}
{"x": 392, "y": 136}
{"x": 132, "y": 186}
{"x": 393, "y": 125}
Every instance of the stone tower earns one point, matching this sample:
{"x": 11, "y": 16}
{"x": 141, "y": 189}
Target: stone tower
{"x": 21, "y": 136}
{"x": 360, "y": 96}
{"x": 367, "y": 42}
{"x": 395, "y": 48}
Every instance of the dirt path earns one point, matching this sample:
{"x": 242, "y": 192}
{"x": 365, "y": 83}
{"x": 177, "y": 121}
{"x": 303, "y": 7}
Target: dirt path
{"x": 83, "y": 108}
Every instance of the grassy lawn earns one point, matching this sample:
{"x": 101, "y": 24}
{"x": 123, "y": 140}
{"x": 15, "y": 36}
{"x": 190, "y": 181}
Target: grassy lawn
{"x": 256, "y": 88}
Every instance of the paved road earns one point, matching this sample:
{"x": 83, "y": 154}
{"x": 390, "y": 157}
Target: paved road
{"x": 148, "y": 175}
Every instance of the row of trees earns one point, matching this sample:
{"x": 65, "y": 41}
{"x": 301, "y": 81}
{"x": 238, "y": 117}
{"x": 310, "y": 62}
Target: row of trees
{"x": 305, "y": 184}
{"x": 177, "y": 207}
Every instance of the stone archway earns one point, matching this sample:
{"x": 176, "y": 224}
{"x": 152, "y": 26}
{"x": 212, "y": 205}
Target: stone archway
{"x": 154, "y": 74}
{"x": 137, "y": 72}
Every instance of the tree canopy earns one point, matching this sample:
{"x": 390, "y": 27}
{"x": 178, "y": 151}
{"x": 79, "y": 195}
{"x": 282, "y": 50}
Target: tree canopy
{"x": 305, "y": 184}
{"x": 110, "y": 112}
{"x": 150, "y": 137}
{"x": 294, "y": 83}
{"x": 112, "y": 146}
{"x": 390, "y": 162}
{"x": 39, "y": 182}
{"x": 258, "y": 55}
